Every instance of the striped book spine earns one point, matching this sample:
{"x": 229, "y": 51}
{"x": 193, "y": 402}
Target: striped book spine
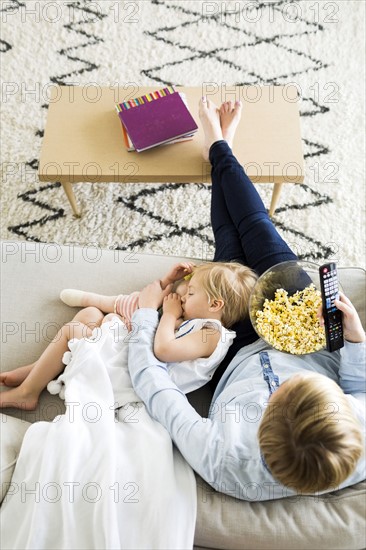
{"x": 131, "y": 103}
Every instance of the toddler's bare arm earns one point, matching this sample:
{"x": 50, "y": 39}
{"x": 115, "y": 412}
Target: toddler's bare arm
{"x": 178, "y": 271}
{"x": 170, "y": 349}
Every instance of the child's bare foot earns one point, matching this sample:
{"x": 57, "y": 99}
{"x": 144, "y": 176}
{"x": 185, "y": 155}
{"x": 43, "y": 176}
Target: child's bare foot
{"x": 209, "y": 115}
{"x": 18, "y": 398}
{"x": 229, "y": 119}
{"x": 15, "y": 377}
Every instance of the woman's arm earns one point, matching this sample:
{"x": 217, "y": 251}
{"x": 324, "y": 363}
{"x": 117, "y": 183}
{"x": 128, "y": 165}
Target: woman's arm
{"x": 199, "y": 439}
{"x": 170, "y": 349}
{"x": 352, "y": 326}
{"x": 352, "y": 372}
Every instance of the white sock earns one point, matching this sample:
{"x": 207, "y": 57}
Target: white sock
{"x": 72, "y": 297}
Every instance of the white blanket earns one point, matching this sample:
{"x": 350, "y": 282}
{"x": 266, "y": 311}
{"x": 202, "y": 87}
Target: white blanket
{"x": 95, "y": 478}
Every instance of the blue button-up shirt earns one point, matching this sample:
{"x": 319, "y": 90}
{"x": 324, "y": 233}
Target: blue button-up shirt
{"x": 223, "y": 448}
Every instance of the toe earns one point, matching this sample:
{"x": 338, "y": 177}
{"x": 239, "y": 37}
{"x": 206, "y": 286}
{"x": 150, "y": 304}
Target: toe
{"x": 202, "y": 106}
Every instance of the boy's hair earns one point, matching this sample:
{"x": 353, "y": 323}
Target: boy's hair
{"x": 230, "y": 282}
{"x": 309, "y": 436}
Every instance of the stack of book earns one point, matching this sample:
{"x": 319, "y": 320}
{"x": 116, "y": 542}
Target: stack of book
{"x": 158, "y": 118}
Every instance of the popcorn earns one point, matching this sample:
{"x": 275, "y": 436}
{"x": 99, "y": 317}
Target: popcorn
{"x": 290, "y": 323}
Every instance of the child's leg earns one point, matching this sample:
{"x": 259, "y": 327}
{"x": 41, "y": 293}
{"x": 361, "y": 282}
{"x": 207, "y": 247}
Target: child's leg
{"x": 237, "y": 212}
{"x": 49, "y": 365}
{"x": 15, "y": 377}
{"x": 125, "y": 305}
{"x": 110, "y": 317}
{"x": 227, "y": 242}
{"x": 262, "y": 245}
{"x": 79, "y": 298}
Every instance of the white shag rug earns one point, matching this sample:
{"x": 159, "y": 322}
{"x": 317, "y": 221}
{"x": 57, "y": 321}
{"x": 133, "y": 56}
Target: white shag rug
{"x": 319, "y": 45}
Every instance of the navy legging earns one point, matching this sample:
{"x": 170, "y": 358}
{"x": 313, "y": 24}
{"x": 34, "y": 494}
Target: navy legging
{"x": 243, "y": 231}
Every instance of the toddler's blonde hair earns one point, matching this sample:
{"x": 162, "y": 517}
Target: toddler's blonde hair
{"x": 230, "y": 282}
{"x": 309, "y": 436}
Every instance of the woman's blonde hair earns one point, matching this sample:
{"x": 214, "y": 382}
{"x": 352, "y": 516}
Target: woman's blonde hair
{"x": 309, "y": 436}
{"x": 230, "y": 282}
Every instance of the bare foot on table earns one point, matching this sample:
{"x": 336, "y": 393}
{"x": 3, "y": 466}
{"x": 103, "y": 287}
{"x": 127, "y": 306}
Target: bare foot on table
{"x": 230, "y": 114}
{"x": 18, "y": 398}
{"x": 209, "y": 116}
{"x": 15, "y": 377}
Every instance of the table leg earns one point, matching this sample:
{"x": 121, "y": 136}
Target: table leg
{"x": 70, "y": 195}
{"x": 275, "y": 196}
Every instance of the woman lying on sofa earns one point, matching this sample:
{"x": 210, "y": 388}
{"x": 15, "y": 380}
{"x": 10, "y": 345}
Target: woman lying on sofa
{"x": 279, "y": 424}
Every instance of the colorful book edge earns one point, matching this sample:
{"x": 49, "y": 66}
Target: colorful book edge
{"x": 147, "y": 98}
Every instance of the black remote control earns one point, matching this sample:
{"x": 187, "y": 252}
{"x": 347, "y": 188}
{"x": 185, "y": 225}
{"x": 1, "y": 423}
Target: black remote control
{"x": 332, "y": 315}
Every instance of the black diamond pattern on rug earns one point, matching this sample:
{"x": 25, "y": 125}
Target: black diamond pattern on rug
{"x": 186, "y": 55}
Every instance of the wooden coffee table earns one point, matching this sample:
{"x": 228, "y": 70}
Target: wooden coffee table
{"x": 83, "y": 139}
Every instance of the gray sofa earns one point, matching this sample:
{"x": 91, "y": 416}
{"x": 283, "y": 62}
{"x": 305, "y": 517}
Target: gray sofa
{"x": 32, "y": 276}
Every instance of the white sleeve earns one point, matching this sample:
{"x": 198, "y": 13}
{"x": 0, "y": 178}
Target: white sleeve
{"x": 352, "y": 370}
{"x": 199, "y": 439}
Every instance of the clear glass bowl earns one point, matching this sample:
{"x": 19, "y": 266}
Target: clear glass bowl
{"x": 291, "y": 328}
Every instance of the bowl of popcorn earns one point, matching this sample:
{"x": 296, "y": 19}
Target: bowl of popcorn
{"x": 284, "y": 307}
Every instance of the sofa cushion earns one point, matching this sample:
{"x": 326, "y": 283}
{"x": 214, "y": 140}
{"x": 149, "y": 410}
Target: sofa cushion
{"x": 32, "y": 277}
{"x": 353, "y": 282}
{"x": 332, "y": 521}
{"x": 12, "y": 431}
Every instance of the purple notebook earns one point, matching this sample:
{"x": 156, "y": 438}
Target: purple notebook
{"x": 158, "y": 121}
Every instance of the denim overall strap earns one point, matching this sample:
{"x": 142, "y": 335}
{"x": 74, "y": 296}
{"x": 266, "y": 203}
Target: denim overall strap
{"x": 270, "y": 377}
{"x": 273, "y": 382}
{"x": 187, "y": 331}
